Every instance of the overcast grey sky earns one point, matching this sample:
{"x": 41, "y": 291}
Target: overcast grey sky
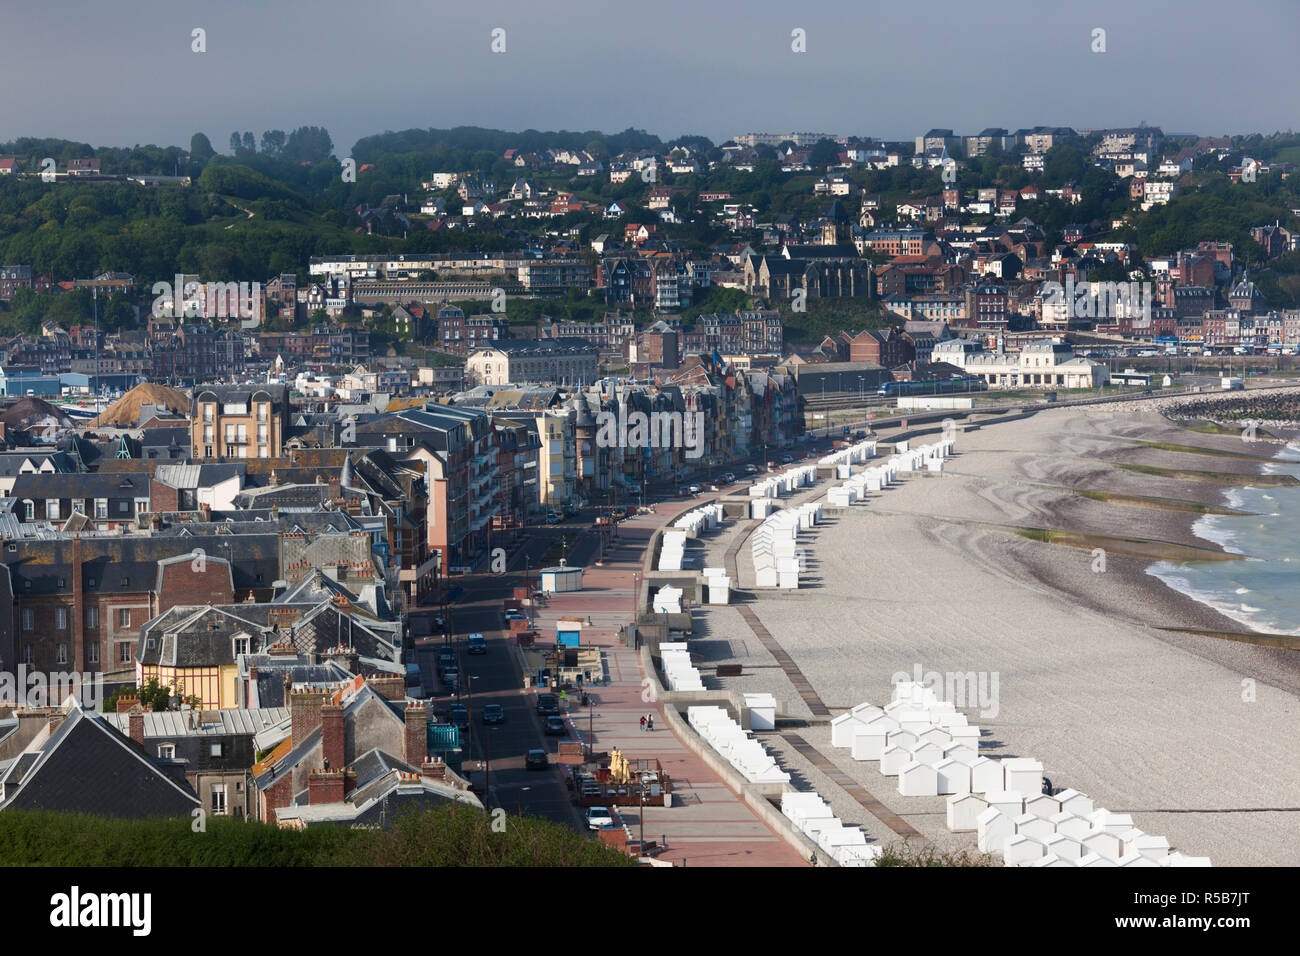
{"x": 124, "y": 73}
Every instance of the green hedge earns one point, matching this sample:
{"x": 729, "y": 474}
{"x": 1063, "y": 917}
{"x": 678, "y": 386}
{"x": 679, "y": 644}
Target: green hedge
{"x": 446, "y": 836}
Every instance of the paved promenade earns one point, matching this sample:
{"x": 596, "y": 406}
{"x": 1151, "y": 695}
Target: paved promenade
{"x": 708, "y": 823}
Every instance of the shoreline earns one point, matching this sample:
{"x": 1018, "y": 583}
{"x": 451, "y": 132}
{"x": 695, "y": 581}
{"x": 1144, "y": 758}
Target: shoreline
{"x": 1105, "y": 673}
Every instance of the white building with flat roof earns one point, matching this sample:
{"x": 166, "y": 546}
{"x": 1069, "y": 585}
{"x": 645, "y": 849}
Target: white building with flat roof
{"x": 1046, "y": 363}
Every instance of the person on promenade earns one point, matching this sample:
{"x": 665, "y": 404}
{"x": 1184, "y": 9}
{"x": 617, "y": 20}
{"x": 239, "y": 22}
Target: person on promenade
{"x": 643, "y": 722}
{"x": 649, "y": 721}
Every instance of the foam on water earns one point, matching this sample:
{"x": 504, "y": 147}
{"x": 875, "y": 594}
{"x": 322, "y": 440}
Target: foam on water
{"x": 1268, "y": 539}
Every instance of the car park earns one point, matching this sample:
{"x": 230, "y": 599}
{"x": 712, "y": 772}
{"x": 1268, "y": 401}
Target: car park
{"x": 599, "y": 817}
{"x": 555, "y": 727}
{"x": 536, "y": 760}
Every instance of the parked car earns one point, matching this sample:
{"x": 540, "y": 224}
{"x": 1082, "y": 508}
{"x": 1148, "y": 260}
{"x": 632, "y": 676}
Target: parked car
{"x": 618, "y": 514}
{"x": 695, "y": 489}
{"x": 751, "y": 469}
{"x": 476, "y": 644}
{"x": 728, "y": 478}
{"x": 513, "y": 615}
{"x": 552, "y": 517}
{"x": 555, "y": 727}
{"x": 787, "y": 459}
{"x": 547, "y": 704}
{"x": 460, "y": 716}
{"x": 599, "y": 817}
{"x": 493, "y": 714}
{"x": 536, "y": 760}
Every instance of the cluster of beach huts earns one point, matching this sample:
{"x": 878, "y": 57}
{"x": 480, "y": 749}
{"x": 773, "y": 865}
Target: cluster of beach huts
{"x": 765, "y": 491}
{"x": 731, "y": 740}
{"x": 673, "y": 541}
{"x": 812, "y": 816}
{"x": 679, "y": 672}
{"x": 777, "y": 561}
{"x": 930, "y": 748}
{"x": 879, "y": 477}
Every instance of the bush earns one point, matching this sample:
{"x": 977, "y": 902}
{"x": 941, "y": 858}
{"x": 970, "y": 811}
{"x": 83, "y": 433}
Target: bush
{"x": 445, "y": 836}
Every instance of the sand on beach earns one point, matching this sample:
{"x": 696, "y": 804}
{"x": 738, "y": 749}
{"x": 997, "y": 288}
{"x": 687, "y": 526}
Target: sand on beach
{"x": 1151, "y": 722}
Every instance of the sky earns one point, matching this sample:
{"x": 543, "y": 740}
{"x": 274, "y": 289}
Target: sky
{"x": 126, "y": 73}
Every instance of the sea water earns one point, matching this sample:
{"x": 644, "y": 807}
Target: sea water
{"x": 1262, "y": 590}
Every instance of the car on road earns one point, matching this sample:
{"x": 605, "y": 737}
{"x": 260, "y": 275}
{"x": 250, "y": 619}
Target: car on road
{"x": 547, "y": 704}
{"x": 536, "y": 760}
{"x": 599, "y": 818}
{"x": 460, "y": 716}
{"x": 555, "y": 727}
{"x": 728, "y": 478}
{"x": 786, "y": 459}
{"x": 476, "y": 644}
{"x": 511, "y": 614}
{"x": 618, "y": 514}
{"x": 751, "y": 469}
{"x": 552, "y": 517}
{"x": 695, "y": 489}
{"x": 493, "y": 714}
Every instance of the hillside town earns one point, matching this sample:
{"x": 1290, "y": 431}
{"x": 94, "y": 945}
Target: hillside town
{"x": 238, "y": 514}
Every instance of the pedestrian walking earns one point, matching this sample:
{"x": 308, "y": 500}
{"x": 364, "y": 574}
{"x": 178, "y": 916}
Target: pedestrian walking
{"x": 650, "y": 722}
{"x": 643, "y": 722}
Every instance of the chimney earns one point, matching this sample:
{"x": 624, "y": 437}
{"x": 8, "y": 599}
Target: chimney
{"x": 331, "y": 733}
{"x": 325, "y": 786}
{"x": 78, "y": 608}
{"x": 135, "y": 725}
{"x": 126, "y": 702}
{"x": 389, "y": 688}
{"x": 417, "y": 735}
{"x": 434, "y": 769}
{"x": 304, "y": 714}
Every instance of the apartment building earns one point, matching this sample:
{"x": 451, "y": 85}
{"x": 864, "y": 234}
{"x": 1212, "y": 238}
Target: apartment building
{"x": 239, "y": 421}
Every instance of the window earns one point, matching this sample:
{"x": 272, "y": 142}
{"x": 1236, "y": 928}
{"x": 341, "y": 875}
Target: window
{"x": 29, "y": 619}
{"x": 207, "y": 433}
{"x": 30, "y": 507}
{"x": 29, "y": 655}
{"x": 92, "y": 617}
{"x": 124, "y": 617}
{"x": 52, "y": 509}
{"x": 92, "y": 654}
{"x": 208, "y": 411}
{"x": 167, "y": 751}
{"x": 101, "y": 507}
{"x": 60, "y": 618}
{"x": 219, "y": 798}
{"x": 241, "y": 646}
{"x": 215, "y": 749}
{"x": 62, "y": 657}
{"x": 263, "y": 411}
{"x": 90, "y": 582}
{"x": 124, "y": 507}
{"x": 124, "y": 652}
